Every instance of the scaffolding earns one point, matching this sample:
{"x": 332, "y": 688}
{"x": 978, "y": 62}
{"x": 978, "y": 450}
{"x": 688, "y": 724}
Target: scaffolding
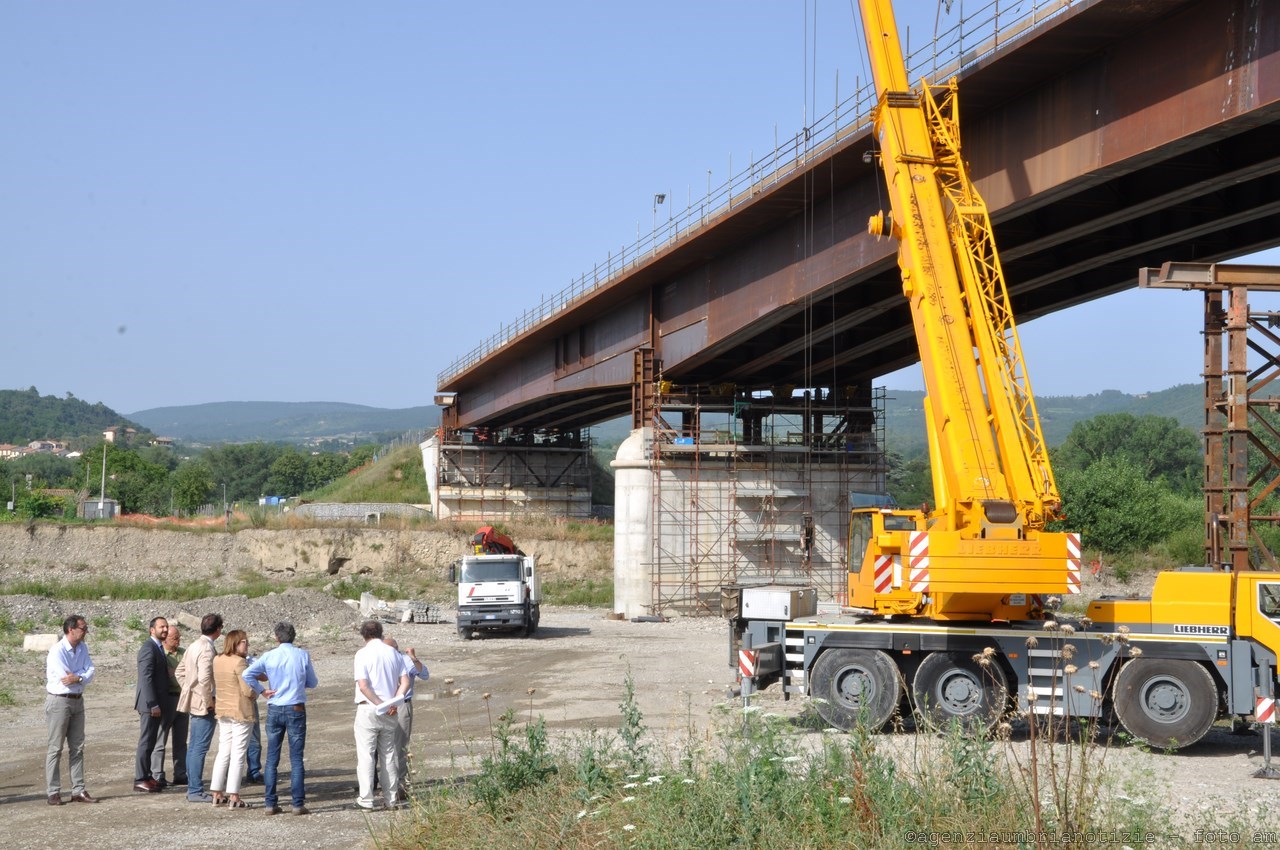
{"x": 483, "y": 475}
{"x": 1241, "y": 434}
{"x": 754, "y": 488}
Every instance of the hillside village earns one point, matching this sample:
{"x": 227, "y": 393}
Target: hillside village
{"x": 114, "y": 435}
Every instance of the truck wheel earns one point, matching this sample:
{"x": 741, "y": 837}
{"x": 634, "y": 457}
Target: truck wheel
{"x": 465, "y": 633}
{"x": 855, "y": 686}
{"x": 950, "y": 687}
{"x": 1167, "y": 703}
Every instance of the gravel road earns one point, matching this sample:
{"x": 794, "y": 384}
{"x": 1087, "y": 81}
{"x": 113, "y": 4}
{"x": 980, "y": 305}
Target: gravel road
{"x": 575, "y": 665}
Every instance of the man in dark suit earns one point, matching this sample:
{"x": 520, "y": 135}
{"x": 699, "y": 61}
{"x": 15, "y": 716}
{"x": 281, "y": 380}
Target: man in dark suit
{"x": 149, "y": 700}
{"x": 173, "y": 723}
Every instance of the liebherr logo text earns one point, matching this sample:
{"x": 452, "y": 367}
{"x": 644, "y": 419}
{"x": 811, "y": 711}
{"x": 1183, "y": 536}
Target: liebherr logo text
{"x": 1210, "y": 631}
{"x": 995, "y": 547}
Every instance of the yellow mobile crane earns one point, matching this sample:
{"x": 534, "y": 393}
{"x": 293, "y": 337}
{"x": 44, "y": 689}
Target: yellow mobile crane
{"x": 983, "y": 553}
{"x": 950, "y": 602}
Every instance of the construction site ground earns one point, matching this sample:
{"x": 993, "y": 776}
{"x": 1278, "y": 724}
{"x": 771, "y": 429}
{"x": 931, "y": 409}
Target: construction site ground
{"x": 571, "y": 673}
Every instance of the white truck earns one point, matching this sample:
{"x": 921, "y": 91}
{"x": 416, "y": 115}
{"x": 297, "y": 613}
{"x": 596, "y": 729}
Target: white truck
{"x": 498, "y": 587}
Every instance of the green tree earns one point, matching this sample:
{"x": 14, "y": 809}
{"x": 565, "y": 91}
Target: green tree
{"x": 288, "y": 474}
{"x": 36, "y": 504}
{"x": 1156, "y": 445}
{"x": 910, "y": 481}
{"x": 243, "y": 468}
{"x": 361, "y": 455}
{"x": 192, "y": 482}
{"x": 1118, "y": 509}
{"x": 160, "y": 456}
{"x": 324, "y": 468}
{"x": 55, "y": 471}
{"x": 137, "y": 484}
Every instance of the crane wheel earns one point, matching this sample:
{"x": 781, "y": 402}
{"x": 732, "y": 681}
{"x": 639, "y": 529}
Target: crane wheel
{"x": 855, "y": 687}
{"x": 951, "y": 688}
{"x": 1168, "y": 703}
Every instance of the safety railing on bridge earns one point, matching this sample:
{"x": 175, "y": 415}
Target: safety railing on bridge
{"x": 975, "y": 36}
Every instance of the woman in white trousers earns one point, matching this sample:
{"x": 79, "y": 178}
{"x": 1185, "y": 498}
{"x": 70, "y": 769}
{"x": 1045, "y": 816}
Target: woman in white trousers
{"x": 234, "y": 710}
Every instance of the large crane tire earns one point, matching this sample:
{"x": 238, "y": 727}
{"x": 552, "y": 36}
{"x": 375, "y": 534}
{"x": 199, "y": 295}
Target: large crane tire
{"x": 1167, "y": 702}
{"x": 855, "y": 687}
{"x": 953, "y": 688}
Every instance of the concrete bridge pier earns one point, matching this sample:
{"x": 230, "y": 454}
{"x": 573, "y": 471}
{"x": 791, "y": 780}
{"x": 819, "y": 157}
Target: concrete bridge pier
{"x": 747, "y": 489}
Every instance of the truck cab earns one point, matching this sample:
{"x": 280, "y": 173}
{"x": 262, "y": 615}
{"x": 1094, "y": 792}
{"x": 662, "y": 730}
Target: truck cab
{"x": 497, "y": 592}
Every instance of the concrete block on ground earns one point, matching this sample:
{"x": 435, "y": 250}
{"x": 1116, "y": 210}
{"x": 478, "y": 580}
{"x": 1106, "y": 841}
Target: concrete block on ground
{"x": 40, "y": 643}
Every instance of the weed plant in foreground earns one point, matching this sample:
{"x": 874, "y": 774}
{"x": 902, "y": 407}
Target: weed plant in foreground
{"x": 755, "y": 780}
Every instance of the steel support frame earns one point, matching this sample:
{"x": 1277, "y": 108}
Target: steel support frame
{"x": 1234, "y": 402}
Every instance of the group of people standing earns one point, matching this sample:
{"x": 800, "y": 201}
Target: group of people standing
{"x": 183, "y": 696}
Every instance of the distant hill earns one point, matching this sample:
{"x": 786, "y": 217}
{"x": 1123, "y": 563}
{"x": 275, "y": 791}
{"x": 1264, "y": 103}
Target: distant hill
{"x": 25, "y": 415}
{"x": 283, "y": 421}
{"x": 904, "y": 412}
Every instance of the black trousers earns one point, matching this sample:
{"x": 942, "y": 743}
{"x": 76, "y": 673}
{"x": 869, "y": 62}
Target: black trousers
{"x": 148, "y": 730}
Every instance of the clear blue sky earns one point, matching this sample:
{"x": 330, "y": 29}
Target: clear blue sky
{"x": 298, "y": 201}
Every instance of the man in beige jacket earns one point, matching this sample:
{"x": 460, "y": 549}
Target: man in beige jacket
{"x": 195, "y": 675}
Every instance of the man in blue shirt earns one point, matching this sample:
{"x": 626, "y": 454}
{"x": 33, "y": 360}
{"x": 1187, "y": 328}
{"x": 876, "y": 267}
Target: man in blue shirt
{"x": 414, "y": 669}
{"x": 289, "y": 674}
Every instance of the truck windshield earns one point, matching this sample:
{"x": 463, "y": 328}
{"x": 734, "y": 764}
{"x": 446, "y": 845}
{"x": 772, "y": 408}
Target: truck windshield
{"x": 505, "y": 569}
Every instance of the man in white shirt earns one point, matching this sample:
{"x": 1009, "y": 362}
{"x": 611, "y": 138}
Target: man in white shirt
{"x": 67, "y": 670}
{"x": 381, "y": 683}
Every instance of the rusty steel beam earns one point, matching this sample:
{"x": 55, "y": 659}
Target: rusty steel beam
{"x": 1119, "y": 135}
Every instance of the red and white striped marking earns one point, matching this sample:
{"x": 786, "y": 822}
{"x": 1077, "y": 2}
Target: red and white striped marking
{"x": 1073, "y": 563}
{"x": 747, "y": 660}
{"x": 1265, "y": 712}
{"x": 919, "y": 561}
{"x": 883, "y": 573}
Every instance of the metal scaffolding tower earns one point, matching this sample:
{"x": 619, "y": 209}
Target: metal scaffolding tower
{"x": 1242, "y": 437}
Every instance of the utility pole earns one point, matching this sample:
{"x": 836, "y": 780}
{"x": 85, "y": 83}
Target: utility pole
{"x": 102, "y": 494}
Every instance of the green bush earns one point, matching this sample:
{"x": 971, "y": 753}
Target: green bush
{"x": 1117, "y": 509}
{"x": 514, "y": 766}
{"x": 758, "y": 781}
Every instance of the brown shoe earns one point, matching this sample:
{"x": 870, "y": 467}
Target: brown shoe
{"x": 82, "y": 797}
{"x": 55, "y": 799}
{"x": 149, "y": 786}
{"x": 301, "y": 810}
{"x": 271, "y": 810}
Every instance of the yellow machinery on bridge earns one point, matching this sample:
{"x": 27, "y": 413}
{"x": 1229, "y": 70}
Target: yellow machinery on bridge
{"x": 983, "y": 552}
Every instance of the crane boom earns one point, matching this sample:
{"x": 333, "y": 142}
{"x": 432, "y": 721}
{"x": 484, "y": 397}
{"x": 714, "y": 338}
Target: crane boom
{"x": 994, "y": 488}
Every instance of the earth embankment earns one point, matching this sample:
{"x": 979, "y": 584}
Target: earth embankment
{"x": 224, "y": 558}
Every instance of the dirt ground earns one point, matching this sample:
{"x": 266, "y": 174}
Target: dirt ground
{"x": 575, "y": 666}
